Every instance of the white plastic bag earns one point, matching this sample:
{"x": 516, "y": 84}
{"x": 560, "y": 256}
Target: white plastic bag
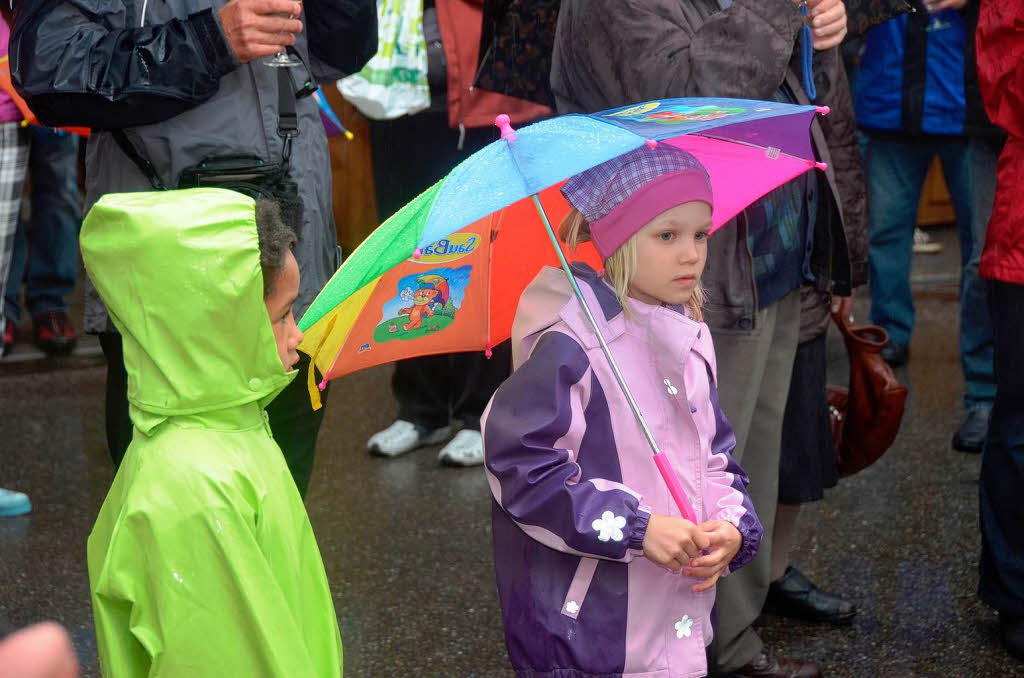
{"x": 394, "y": 82}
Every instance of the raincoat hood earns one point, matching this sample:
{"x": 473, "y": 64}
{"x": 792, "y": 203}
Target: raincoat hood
{"x": 180, "y": 273}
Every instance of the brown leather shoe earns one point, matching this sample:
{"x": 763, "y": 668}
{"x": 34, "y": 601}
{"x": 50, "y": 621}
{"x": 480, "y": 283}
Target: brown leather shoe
{"x": 767, "y": 665}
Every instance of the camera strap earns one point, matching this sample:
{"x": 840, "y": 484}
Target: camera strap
{"x": 287, "y": 120}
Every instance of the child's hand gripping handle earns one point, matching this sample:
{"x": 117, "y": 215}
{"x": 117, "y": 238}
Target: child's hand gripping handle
{"x": 675, "y": 488}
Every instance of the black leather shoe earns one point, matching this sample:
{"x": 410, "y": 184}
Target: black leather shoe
{"x": 970, "y": 437}
{"x": 895, "y": 354}
{"x": 794, "y": 595}
{"x": 767, "y": 665}
{"x": 1011, "y": 632}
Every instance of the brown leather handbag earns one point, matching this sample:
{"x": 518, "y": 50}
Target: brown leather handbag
{"x": 865, "y": 417}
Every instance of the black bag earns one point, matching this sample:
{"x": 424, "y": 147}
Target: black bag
{"x": 248, "y": 174}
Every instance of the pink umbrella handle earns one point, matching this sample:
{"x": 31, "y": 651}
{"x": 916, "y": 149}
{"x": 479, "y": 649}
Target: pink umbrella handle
{"x": 675, "y": 488}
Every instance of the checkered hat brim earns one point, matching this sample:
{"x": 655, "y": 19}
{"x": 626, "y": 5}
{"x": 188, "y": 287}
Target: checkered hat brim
{"x": 598, "y": 190}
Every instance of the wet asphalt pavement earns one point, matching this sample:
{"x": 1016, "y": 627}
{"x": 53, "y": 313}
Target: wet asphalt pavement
{"x": 406, "y": 542}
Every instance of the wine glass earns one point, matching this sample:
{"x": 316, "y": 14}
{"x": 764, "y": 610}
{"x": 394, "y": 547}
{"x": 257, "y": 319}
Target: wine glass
{"x": 283, "y": 59}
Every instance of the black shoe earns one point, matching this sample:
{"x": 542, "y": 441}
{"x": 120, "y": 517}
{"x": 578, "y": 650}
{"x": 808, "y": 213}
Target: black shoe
{"x": 1011, "y": 632}
{"x": 970, "y": 437}
{"x": 895, "y": 354}
{"x": 794, "y": 595}
{"x": 767, "y": 665}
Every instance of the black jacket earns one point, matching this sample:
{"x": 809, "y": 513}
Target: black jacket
{"x": 74, "y": 67}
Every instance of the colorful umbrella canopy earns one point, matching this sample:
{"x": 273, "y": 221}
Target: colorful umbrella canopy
{"x": 478, "y": 230}
{"x": 445, "y": 273}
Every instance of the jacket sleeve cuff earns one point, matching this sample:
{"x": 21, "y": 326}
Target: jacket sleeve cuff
{"x": 213, "y": 42}
{"x": 751, "y": 532}
{"x": 636, "y": 537}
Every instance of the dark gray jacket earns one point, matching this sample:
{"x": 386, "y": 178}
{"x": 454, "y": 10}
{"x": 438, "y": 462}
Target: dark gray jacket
{"x": 612, "y": 52}
{"x": 162, "y": 71}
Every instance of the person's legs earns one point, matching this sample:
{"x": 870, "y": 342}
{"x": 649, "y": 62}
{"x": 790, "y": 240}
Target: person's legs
{"x": 16, "y": 275}
{"x": 896, "y": 172}
{"x": 410, "y": 154}
{"x": 296, "y": 425}
{"x": 1001, "y": 583}
{"x": 753, "y": 370}
{"x": 52, "y": 238}
{"x": 475, "y": 378}
{"x": 56, "y": 220}
{"x": 119, "y": 423}
{"x": 786, "y": 516}
{"x": 13, "y": 166}
{"x": 975, "y": 321}
{"x": 806, "y": 467}
{"x": 422, "y": 387}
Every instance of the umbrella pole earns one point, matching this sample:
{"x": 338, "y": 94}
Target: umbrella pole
{"x": 662, "y": 462}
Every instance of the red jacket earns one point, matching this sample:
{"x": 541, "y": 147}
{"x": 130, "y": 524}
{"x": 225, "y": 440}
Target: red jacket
{"x": 1000, "y": 50}
{"x": 461, "y": 23}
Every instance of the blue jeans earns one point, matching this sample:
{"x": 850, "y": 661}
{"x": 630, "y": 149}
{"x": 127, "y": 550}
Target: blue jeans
{"x": 896, "y": 172}
{"x": 49, "y": 245}
{"x": 975, "y": 318}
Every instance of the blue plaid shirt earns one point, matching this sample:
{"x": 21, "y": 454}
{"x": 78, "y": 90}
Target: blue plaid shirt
{"x": 780, "y": 228}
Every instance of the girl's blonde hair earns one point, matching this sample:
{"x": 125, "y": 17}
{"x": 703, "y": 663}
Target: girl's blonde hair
{"x": 622, "y": 265}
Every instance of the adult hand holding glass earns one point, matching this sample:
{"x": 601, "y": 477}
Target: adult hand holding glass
{"x": 260, "y": 28}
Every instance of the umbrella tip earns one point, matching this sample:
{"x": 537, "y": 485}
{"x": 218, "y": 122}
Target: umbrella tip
{"x": 502, "y": 122}
{"x": 821, "y": 165}
{"x": 417, "y": 253}
{"x": 824, "y": 110}
{"x": 323, "y": 384}
{"x": 651, "y": 143}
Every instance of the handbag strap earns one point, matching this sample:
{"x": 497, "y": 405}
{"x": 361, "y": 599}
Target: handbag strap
{"x": 140, "y": 161}
{"x": 869, "y": 337}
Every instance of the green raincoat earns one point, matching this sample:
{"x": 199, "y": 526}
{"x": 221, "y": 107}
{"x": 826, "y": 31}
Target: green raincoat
{"x": 202, "y": 561}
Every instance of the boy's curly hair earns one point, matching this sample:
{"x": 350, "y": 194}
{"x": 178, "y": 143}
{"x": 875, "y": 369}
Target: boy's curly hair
{"x": 276, "y": 240}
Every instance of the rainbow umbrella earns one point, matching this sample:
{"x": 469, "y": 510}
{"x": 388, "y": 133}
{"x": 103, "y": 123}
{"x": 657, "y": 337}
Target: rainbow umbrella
{"x": 444, "y": 274}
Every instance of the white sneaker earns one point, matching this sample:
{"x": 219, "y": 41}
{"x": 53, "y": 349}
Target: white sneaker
{"x": 923, "y": 243}
{"x": 465, "y": 449}
{"x": 404, "y": 436}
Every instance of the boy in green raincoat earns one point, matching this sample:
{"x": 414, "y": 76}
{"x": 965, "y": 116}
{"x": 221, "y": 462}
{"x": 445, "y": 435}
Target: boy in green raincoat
{"x": 202, "y": 561}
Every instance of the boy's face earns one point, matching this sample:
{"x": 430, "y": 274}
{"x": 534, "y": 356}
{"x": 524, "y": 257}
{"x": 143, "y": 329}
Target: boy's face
{"x": 671, "y": 250}
{"x": 283, "y": 293}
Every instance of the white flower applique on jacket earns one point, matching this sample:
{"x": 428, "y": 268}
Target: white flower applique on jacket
{"x": 609, "y": 526}
{"x": 683, "y": 626}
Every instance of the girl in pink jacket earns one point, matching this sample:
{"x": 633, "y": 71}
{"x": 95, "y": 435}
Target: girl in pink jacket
{"x": 597, "y": 573}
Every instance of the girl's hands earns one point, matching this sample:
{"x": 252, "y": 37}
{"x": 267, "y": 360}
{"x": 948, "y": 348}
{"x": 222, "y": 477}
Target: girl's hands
{"x": 725, "y": 541}
{"x": 673, "y": 542}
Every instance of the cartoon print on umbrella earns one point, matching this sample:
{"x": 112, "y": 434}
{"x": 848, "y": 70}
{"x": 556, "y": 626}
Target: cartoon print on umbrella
{"x": 427, "y": 303}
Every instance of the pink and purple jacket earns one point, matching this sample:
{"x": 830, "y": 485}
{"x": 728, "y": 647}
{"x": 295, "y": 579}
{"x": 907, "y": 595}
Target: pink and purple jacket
{"x": 574, "y": 485}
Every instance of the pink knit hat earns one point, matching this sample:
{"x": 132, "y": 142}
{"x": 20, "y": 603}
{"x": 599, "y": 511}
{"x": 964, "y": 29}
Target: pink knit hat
{"x": 618, "y": 197}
